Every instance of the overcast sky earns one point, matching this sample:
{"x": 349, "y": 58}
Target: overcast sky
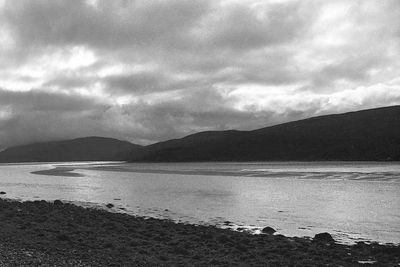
{"x": 147, "y": 71}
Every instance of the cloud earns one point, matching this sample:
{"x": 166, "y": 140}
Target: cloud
{"x": 40, "y": 116}
{"x": 353, "y": 68}
{"x": 45, "y": 101}
{"x": 101, "y": 24}
{"x": 137, "y": 83}
{"x": 146, "y": 71}
{"x": 240, "y": 26}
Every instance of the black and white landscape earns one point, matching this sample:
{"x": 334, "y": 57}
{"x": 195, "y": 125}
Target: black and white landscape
{"x": 199, "y": 133}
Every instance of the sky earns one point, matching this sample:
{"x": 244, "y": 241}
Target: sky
{"x": 152, "y": 70}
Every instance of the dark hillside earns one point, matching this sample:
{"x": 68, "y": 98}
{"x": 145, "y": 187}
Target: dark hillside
{"x": 363, "y": 135}
{"x": 81, "y": 149}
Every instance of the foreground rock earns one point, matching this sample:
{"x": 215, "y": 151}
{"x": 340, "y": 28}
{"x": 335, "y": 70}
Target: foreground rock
{"x": 44, "y": 234}
{"x": 57, "y": 202}
{"x": 324, "y": 237}
{"x": 110, "y": 206}
{"x": 268, "y": 230}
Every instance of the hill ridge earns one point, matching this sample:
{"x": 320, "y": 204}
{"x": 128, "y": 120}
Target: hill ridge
{"x": 78, "y": 149}
{"x": 370, "y": 134}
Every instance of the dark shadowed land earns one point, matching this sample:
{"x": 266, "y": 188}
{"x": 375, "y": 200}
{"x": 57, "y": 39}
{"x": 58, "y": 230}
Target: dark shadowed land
{"x": 80, "y": 149}
{"x": 59, "y": 234}
{"x": 367, "y": 135}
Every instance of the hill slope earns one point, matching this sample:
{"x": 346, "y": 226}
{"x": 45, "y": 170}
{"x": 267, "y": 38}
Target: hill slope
{"x": 80, "y": 149}
{"x": 363, "y": 135}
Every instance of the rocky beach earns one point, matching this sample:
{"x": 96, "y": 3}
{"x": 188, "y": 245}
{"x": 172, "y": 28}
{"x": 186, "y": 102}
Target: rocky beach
{"x": 40, "y": 233}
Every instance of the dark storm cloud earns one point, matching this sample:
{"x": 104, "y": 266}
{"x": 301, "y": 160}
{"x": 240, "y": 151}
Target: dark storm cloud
{"x": 137, "y": 83}
{"x": 39, "y": 116}
{"x": 110, "y": 24}
{"x": 152, "y": 70}
{"x": 243, "y": 27}
{"x": 355, "y": 68}
{"x": 44, "y": 101}
{"x": 66, "y": 82}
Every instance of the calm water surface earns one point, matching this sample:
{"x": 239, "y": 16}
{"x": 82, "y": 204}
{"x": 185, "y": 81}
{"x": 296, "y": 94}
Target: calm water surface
{"x": 353, "y": 201}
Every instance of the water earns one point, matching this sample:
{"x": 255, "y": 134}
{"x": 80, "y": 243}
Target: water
{"x": 352, "y": 201}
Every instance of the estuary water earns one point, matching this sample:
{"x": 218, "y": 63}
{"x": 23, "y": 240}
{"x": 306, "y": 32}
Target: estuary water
{"x": 351, "y": 200}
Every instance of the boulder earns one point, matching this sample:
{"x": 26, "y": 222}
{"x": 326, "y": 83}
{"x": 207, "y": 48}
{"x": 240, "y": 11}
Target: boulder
{"x": 57, "y": 202}
{"x": 268, "y": 230}
{"x": 2, "y": 193}
{"x": 109, "y": 205}
{"x": 324, "y": 237}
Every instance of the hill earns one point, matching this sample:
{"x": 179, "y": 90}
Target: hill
{"x": 362, "y": 135}
{"x": 80, "y": 149}
{"x": 372, "y": 134}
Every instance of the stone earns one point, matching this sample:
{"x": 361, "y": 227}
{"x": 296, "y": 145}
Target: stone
{"x": 268, "y": 230}
{"x": 2, "y": 193}
{"x": 57, "y": 202}
{"x": 109, "y": 205}
{"x": 324, "y": 237}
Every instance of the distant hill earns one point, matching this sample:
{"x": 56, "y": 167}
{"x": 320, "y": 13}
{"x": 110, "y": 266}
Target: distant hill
{"x": 363, "y": 135}
{"x": 80, "y": 149}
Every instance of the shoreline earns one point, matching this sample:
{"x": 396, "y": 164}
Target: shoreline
{"x": 62, "y": 234}
{"x": 284, "y": 215}
{"x": 220, "y": 223}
